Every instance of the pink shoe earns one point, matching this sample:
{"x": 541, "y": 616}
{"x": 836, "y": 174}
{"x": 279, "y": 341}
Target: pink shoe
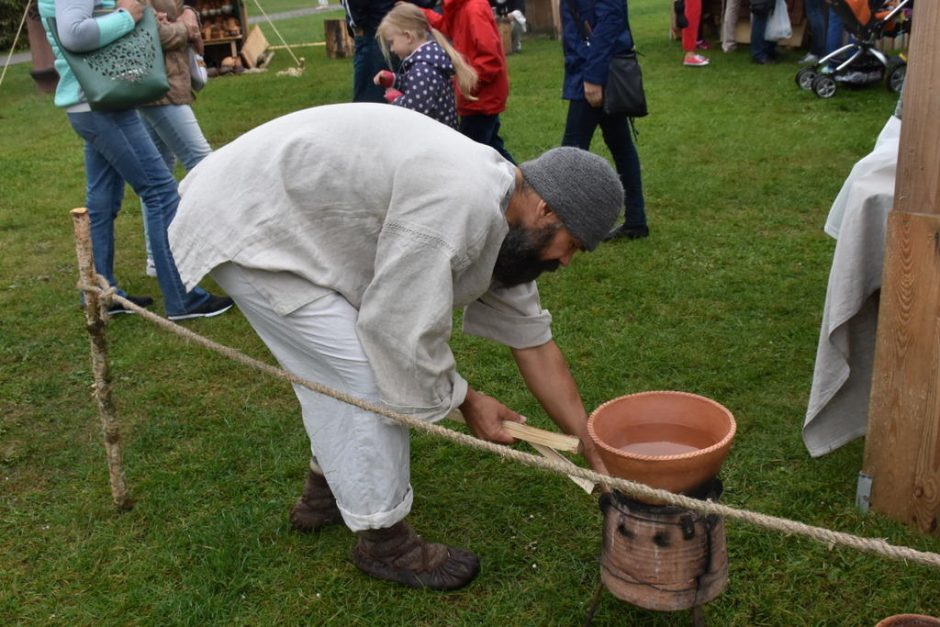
{"x": 702, "y": 44}
{"x": 695, "y": 60}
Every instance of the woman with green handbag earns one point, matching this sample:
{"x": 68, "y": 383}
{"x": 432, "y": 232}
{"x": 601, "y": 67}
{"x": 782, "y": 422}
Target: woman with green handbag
{"x": 95, "y": 35}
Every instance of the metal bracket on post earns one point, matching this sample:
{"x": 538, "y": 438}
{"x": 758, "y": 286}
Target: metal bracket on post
{"x": 863, "y": 492}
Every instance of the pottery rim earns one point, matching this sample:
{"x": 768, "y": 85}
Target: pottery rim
{"x": 702, "y": 451}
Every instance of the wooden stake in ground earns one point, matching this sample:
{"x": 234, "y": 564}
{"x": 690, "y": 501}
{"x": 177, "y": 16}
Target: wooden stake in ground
{"x": 95, "y": 320}
{"x": 902, "y": 448}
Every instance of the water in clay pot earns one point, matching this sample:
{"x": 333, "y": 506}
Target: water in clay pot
{"x": 675, "y": 441}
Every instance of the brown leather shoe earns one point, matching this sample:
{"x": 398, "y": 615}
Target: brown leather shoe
{"x": 399, "y": 554}
{"x": 316, "y": 506}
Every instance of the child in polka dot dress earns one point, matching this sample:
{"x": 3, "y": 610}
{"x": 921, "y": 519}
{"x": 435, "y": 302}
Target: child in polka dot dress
{"x": 424, "y": 81}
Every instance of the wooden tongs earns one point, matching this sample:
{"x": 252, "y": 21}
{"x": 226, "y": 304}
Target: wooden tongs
{"x": 547, "y": 443}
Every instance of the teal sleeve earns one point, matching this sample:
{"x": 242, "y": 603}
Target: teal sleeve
{"x": 114, "y": 26}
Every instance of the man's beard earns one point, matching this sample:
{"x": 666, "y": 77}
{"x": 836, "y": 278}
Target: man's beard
{"x": 518, "y": 261}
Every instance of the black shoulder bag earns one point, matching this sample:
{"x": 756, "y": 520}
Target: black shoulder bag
{"x": 623, "y": 93}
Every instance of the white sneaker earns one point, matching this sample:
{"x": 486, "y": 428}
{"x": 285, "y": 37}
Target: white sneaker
{"x": 809, "y": 57}
{"x": 151, "y": 268}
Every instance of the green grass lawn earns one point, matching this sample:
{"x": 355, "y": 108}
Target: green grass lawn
{"x": 724, "y": 299}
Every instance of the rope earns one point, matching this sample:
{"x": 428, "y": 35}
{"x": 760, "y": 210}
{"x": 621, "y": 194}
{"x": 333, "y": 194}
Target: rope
{"x": 16, "y": 38}
{"x": 636, "y": 490}
{"x": 278, "y": 33}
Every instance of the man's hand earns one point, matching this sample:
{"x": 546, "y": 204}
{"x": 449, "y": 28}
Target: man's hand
{"x": 135, "y": 8}
{"x": 485, "y": 415}
{"x": 594, "y": 94}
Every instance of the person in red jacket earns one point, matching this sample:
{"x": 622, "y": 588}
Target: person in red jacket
{"x": 471, "y": 27}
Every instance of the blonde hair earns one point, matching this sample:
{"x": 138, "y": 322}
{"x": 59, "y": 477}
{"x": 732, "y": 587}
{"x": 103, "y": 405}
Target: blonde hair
{"x": 408, "y": 18}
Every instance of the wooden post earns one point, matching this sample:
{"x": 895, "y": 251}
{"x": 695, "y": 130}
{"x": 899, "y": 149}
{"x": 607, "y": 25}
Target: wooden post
{"x": 543, "y": 16}
{"x": 902, "y": 448}
{"x": 95, "y": 321}
{"x": 339, "y": 44}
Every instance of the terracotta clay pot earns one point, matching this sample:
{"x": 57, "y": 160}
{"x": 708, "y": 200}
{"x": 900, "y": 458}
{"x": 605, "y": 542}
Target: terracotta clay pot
{"x": 674, "y": 441}
{"x": 909, "y": 620}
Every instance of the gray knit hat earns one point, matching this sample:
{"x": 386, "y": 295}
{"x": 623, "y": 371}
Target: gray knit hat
{"x": 581, "y": 188}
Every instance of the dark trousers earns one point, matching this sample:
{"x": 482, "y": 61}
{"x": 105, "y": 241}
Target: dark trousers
{"x": 367, "y": 61}
{"x": 761, "y": 49}
{"x": 485, "y": 130}
{"x": 583, "y": 120}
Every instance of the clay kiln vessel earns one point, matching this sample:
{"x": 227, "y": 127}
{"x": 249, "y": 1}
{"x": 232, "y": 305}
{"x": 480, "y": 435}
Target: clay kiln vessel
{"x": 674, "y": 441}
{"x": 660, "y": 557}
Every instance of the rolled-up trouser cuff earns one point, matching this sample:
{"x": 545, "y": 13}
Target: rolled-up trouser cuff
{"x": 381, "y": 520}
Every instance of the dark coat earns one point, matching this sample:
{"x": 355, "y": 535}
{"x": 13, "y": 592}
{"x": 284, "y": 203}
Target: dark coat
{"x": 425, "y": 79}
{"x": 588, "y": 49}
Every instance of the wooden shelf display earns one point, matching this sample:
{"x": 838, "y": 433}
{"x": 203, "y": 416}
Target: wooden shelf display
{"x": 224, "y": 27}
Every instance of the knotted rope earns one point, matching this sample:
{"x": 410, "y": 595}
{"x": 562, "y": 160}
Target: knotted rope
{"x": 630, "y": 488}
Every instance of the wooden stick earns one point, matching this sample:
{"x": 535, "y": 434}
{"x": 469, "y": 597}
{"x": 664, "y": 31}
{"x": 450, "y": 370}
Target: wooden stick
{"x": 95, "y": 320}
{"x": 533, "y": 435}
{"x": 550, "y": 453}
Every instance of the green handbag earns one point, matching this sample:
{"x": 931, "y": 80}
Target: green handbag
{"x": 124, "y": 74}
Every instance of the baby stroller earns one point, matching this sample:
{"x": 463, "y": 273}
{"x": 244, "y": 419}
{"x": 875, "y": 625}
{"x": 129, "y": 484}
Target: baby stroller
{"x": 859, "y": 62}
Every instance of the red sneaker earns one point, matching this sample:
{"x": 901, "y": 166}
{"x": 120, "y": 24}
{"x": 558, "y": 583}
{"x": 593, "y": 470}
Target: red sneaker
{"x": 695, "y": 60}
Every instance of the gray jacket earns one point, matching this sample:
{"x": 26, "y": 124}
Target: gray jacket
{"x": 396, "y": 212}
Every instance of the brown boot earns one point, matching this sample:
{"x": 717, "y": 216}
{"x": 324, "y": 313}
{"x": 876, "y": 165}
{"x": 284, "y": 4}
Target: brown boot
{"x": 399, "y": 554}
{"x": 316, "y": 506}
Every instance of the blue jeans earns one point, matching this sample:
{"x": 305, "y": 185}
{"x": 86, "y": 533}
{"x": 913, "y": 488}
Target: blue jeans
{"x": 583, "y": 120}
{"x": 816, "y": 16}
{"x": 118, "y": 150}
{"x": 761, "y": 49}
{"x": 835, "y": 31}
{"x": 485, "y": 130}
{"x": 367, "y": 61}
{"x": 176, "y": 134}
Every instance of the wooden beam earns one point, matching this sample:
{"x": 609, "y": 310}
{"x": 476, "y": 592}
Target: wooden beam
{"x": 902, "y": 448}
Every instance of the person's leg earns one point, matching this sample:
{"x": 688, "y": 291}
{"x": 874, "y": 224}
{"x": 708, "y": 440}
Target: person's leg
{"x": 616, "y": 132}
{"x": 175, "y": 132}
{"x": 367, "y": 61}
{"x": 816, "y": 16}
{"x": 122, "y": 140}
{"x": 104, "y": 191}
{"x": 693, "y": 14}
{"x": 485, "y": 130}
{"x": 170, "y": 159}
{"x": 516, "y": 30}
{"x": 835, "y": 32}
{"x": 364, "y": 457}
{"x": 177, "y": 129}
{"x": 759, "y": 46}
{"x": 729, "y": 22}
{"x": 580, "y": 124}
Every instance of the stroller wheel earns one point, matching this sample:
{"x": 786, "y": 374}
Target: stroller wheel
{"x": 824, "y": 86}
{"x": 894, "y": 75}
{"x": 804, "y": 78}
